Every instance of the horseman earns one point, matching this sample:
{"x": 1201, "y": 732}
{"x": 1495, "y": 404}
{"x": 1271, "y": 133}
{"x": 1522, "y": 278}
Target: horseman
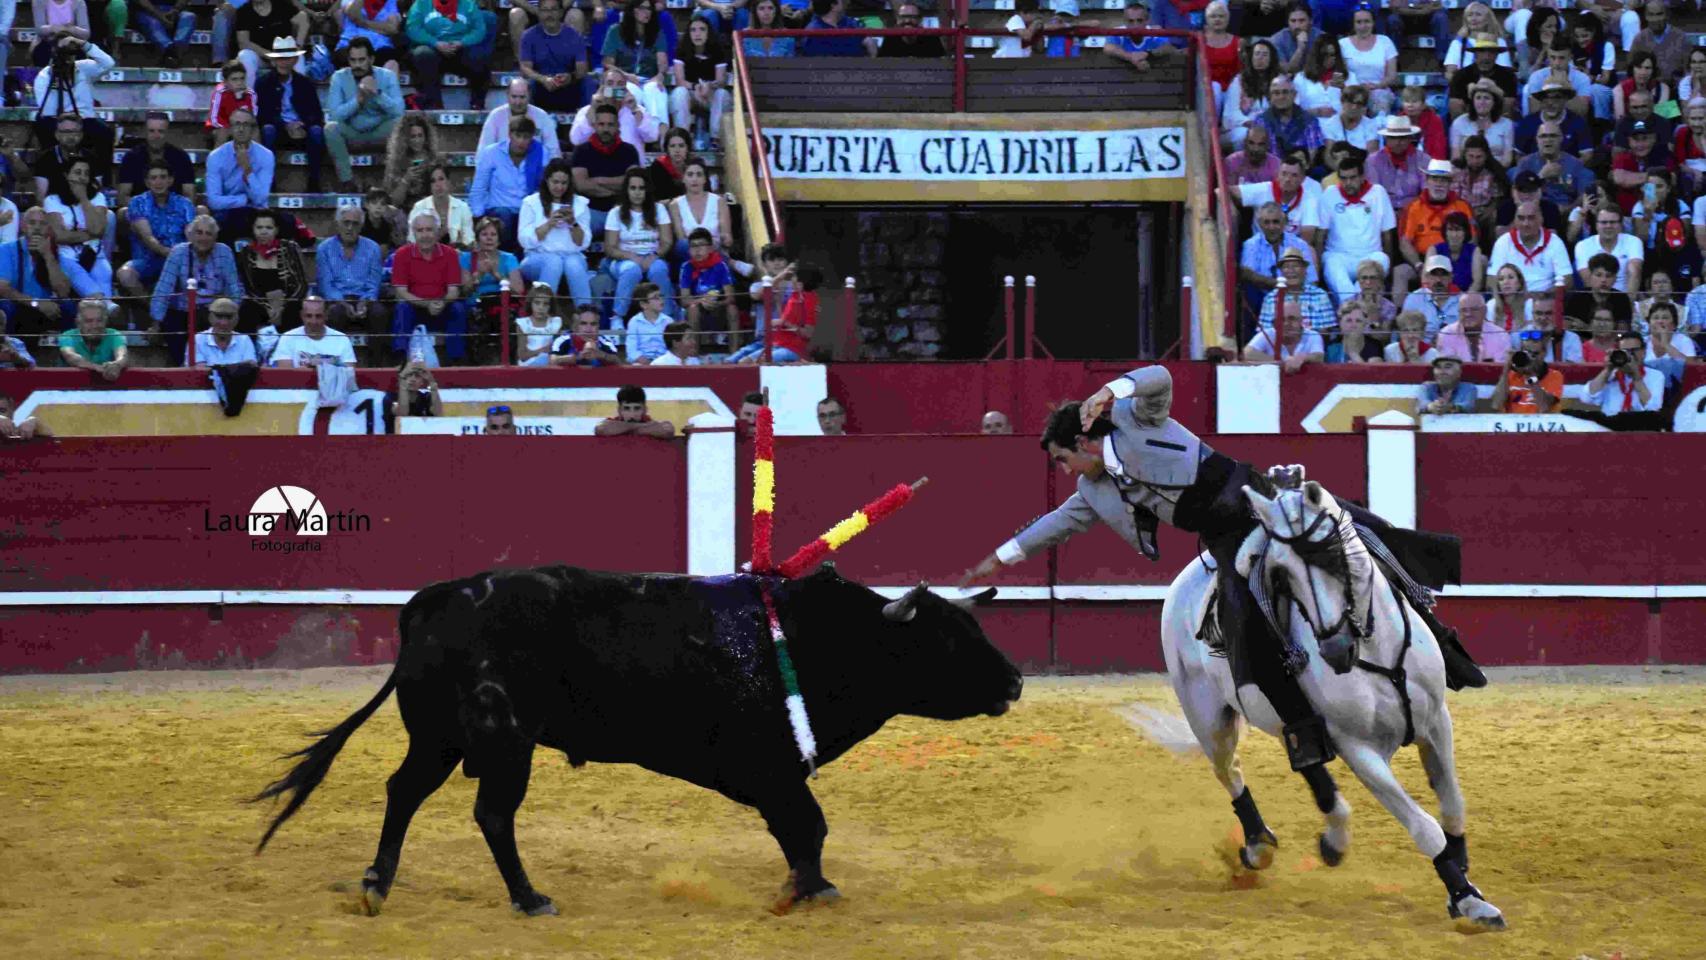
{"x": 1137, "y": 467}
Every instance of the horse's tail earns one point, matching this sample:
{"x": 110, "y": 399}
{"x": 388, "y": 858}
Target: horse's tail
{"x": 317, "y": 759}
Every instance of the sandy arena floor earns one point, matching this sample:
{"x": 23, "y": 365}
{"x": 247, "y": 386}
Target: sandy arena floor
{"x": 1055, "y": 831}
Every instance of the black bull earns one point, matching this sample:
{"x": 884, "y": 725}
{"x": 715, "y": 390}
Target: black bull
{"x": 676, "y": 674}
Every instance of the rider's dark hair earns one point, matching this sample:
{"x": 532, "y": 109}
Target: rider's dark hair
{"x": 1065, "y": 427}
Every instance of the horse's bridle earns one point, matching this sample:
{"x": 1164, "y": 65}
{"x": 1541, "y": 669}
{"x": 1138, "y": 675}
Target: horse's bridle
{"x": 1310, "y": 549}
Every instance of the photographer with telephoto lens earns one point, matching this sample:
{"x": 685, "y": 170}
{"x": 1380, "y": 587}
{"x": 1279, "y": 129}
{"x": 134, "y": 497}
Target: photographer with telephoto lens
{"x": 1627, "y": 391}
{"x": 1529, "y": 384}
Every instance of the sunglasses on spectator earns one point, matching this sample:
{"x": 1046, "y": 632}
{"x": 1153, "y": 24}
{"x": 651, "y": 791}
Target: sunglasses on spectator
{"x": 1531, "y": 335}
{"x": 499, "y": 409}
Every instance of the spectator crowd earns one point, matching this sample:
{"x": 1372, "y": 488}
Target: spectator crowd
{"x": 1545, "y": 204}
{"x": 588, "y": 199}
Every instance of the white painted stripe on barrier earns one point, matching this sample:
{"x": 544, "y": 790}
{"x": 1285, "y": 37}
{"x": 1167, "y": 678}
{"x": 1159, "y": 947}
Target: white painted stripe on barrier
{"x": 1111, "y": 592}
{"x": 1247, "y": 398}
{"x": 711, "y": 496}
{"x": 1553, "y": 591}
{"x": 1119, "y": 593}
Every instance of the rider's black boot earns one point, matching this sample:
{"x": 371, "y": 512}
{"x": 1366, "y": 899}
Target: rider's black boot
{"x": 1460, "y": 668}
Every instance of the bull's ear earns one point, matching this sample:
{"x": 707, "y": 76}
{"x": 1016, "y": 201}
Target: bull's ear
{"x": 975, "y": 600}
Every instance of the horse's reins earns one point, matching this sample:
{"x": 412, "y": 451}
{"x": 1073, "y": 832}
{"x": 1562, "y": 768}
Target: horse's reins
{"x": 1308, "y": 548}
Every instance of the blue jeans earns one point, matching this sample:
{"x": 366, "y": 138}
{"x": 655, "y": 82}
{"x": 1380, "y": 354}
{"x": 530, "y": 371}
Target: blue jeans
{"x": 314, "y": 142}
{"x": 160, "y": 36}
{"x": 553, "y": 268}
{"x": 628, "y": 274}
{"x": 756, "y": 349}
{"x": 471, "y": 62}
{"x": 452, "y": 320}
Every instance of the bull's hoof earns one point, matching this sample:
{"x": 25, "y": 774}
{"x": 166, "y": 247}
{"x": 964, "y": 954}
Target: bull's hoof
{"x": 541, "y": 906}
{"x": 792, "y": 898}
{"x": 372, "y": 898}
{"x": 1258, "y": 854}
{"x": 1330, "y": 855}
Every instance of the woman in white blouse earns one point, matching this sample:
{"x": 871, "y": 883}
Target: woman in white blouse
{"x": 1371, "y": 59}
{"x": 554, "y": 229}
{"x": 83, "y": 215}
{"x": 636, "y": 236}
{"x": 699, "y": 207}
{"x": 453, "y": 212}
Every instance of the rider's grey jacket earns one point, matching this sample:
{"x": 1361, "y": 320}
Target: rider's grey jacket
{"x": 1150, "y": 459}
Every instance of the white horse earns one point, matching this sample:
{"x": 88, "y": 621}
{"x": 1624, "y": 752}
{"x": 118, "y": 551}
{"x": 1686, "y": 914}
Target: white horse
{"x": 1374, "y": 673}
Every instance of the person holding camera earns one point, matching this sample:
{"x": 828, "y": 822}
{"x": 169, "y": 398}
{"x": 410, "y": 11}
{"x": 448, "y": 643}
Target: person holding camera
{"x": 1529, "y": 385}
{"x": 1628, "y": 392}
{"x": 66, "y": 89}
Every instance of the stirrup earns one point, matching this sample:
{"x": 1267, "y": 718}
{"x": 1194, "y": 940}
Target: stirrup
{"x": 1307, "y": 744}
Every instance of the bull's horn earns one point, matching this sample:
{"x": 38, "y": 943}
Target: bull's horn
{"x": 972, "y": 602}
{"x": 902, "y": 610}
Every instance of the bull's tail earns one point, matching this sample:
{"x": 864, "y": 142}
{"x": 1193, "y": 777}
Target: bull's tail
{"x": 316, "y": 760}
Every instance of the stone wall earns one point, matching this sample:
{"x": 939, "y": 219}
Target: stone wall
{"x": 903, "y": 290}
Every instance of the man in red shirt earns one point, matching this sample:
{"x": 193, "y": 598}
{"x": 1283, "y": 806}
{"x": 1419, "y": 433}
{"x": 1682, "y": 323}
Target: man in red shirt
{"x": 426, "y": 278}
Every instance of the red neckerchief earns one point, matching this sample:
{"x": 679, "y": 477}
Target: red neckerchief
{"x": 1510, "y": 314}
{"x": 1528, "y": 255}
{"x": 1398, "y": 163}
{"x": 600, "y": 146}
{"x": 1285, "y": 205}
{"x": 371, "y": 8}
{"x": 1367, "y": 185}
{"x": 446, "y": 8}
{"x": 696, "y": 270}
{"x": 267, "y": 250}
{"x": 669, "y": 168}
{"x": 1626, "y": 384}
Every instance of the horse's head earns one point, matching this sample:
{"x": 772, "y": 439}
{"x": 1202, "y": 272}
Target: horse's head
{"x": 1308, "y": 553}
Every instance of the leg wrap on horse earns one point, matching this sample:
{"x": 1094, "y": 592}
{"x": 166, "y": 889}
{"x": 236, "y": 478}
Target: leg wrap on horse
{"x": 1249, "y": 817}
{"x": 1321, "y": 785}
{"x": 1457, "y": 849}
{"x": 1456, "y": 880}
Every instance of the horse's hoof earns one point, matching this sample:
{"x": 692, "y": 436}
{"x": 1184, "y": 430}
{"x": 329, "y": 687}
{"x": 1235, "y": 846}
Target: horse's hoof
{"x": 1329, "y": 856}
{"x": 544, "y": 908}
{"x": 1259, "y": 853}
{"x": 1472, "y": 915}
{"x": 370, "y": 902}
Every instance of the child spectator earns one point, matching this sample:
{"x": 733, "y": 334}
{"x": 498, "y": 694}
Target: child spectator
{"x": 539, "y": 328}
{"x": 232, "y": 94}
{"x": 791, "y": 336}
{"x": 683, "y": 347}
{"x": 585, "y": 346}
{"x": 643, "y": 333}
{"x": 707, "y": 286}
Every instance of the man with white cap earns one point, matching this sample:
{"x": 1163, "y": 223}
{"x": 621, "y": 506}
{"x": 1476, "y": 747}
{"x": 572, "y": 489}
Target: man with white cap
{"x": 1401, "y": 165}
{"x": 1360, "y": 224}
{"x": 1422, "y": 225}
{"x": 1437, "y": 298}
{"x": 1065, "y": 12}
{"x": 1486, "y": 49}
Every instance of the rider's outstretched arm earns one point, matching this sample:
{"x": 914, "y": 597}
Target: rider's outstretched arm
{"x": 1072, "y": 517}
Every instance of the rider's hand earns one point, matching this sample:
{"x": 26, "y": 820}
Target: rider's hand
{"x": 1093, "y": 407}
{"x": 989, "y": 565}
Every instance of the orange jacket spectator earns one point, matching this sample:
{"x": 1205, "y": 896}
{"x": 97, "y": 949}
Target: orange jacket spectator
{"x": 1423, "y": 223}
{"x": 1520, "y": 399}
